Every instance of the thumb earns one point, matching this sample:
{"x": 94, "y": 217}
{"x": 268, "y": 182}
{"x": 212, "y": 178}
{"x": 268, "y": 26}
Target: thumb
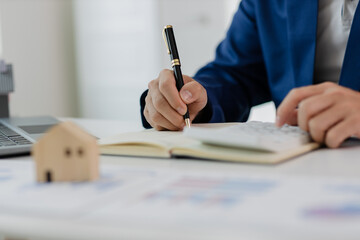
{"x": 194, "y": 95}
{"x": 192, "y": 92}
{"x": 187, "y": 92}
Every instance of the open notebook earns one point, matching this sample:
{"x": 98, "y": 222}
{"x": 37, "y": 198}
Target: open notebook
{"x": 166, "y": 144}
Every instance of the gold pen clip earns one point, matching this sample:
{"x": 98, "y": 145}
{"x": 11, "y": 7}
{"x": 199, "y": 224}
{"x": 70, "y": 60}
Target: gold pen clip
{"x": 165, "y": 40}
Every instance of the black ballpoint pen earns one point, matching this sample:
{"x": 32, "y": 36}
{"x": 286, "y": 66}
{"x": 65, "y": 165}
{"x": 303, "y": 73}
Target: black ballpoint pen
{"x": 170, "y": 43}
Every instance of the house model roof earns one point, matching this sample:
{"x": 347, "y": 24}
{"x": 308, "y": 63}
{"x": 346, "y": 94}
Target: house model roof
{"x": 70, "y": 128}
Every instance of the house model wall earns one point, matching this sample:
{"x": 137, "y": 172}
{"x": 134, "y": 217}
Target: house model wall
{"x": 66, "y": 153}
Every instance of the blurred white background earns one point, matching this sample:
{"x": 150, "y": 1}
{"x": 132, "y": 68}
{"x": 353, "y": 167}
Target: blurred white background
{"x": 94, "y": 58}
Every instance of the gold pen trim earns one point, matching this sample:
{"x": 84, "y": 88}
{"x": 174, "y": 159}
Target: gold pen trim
{"x": 187, "y": 122}
{"x": 175, "y": 62}
{"x": 165, "y": 40}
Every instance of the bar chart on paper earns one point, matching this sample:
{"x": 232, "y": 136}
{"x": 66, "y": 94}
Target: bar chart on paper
{"x": 341, "y": 211}
{"x": 208, "y": 192}
{"x": 5, "y": 175}
{"x": 338, "y": 210}
{"x": 21, "y": 193}
{"x": 158, "y": 197}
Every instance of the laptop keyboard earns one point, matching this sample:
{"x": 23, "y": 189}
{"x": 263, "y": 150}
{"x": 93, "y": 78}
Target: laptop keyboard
{"x": 9, "y": 137}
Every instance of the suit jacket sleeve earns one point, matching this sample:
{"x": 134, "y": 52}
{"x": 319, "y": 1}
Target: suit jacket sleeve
{"x": 236, "y": 80}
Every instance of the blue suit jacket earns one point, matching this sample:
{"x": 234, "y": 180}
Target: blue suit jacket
{"x": 268, "y": 50}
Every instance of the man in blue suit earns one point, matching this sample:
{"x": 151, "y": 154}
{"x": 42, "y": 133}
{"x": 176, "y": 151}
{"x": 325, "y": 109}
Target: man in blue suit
{"x": 303, "y": 55}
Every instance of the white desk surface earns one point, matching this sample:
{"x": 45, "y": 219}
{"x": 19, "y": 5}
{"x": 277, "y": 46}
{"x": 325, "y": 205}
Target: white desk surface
{"x": 341, "y": 163}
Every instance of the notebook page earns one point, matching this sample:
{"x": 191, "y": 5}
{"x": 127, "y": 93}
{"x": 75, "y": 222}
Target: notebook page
{"x": 152, "y": 137}
{"x": 164, "y": 139}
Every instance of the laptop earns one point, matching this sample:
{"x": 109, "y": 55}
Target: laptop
{"x": 17, "y": 134}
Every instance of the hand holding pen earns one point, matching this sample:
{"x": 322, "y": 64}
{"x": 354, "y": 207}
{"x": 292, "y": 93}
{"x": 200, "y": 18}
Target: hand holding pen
{"x": 170, "y": 42}
{"x": 167, "y": 102}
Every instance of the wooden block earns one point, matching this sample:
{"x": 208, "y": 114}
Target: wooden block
{"x": 66, "y": 153}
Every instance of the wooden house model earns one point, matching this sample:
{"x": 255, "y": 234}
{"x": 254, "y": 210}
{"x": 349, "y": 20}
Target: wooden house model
{"x": 66, "y": 153}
